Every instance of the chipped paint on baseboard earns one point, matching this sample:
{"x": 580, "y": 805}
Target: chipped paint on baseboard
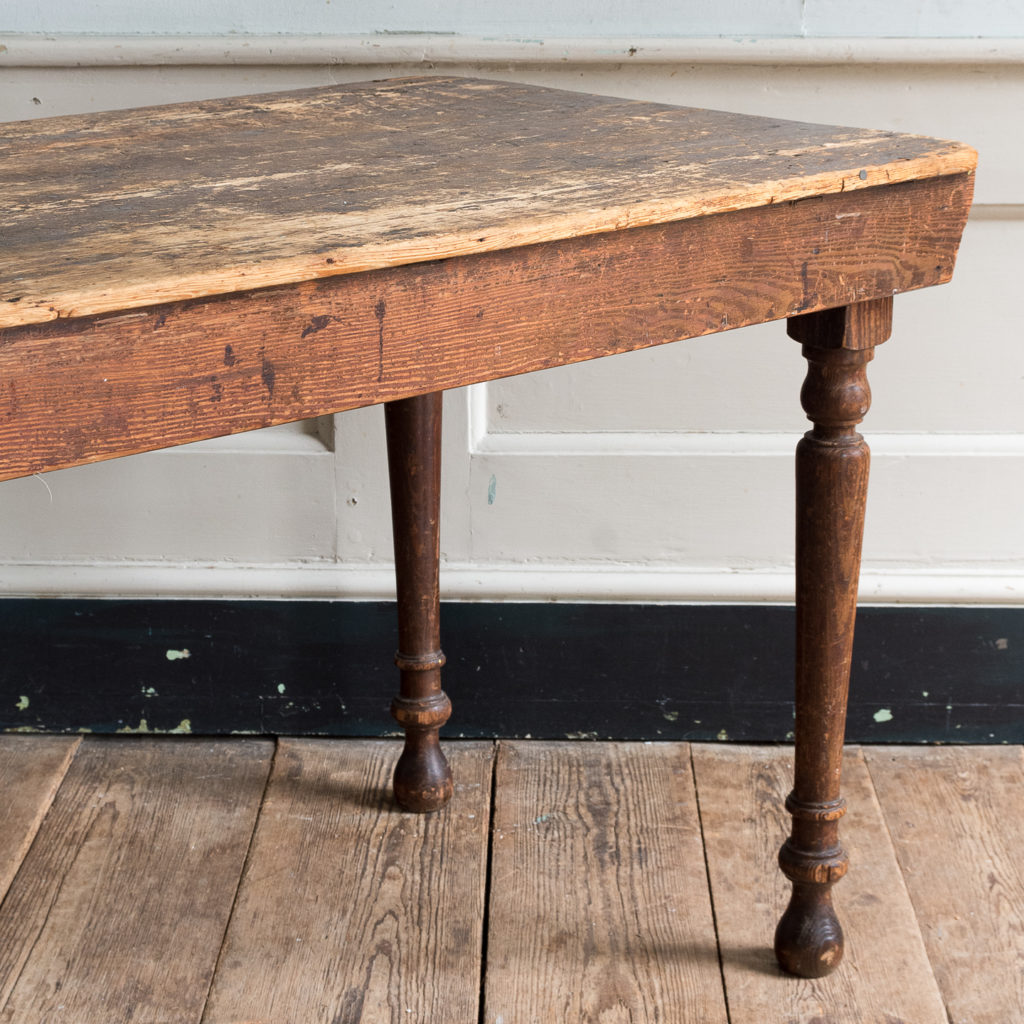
{"x": 179, "y": 655}
{"x": 104, "y": 667}
{"x": 143, "y": 727}
{"x": 184, "y": 727}
{"x": 882, "y": 715}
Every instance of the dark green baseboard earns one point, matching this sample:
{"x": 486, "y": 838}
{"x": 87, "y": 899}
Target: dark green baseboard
{"x": 950, "y": 675}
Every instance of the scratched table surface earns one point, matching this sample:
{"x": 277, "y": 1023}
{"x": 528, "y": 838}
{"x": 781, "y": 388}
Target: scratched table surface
{"x": 114, "y": 211}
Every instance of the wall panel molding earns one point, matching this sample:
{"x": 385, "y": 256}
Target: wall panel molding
{"x": 667, "y": 506}
{"x": 741, "y": 443}
{"x": 75, "y": 50}
{"x": 548, "y": 583}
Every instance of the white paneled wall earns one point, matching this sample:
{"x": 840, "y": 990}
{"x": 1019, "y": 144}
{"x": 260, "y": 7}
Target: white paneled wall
{"x": 527, "y": 19}
{"x": 660, "y": 475}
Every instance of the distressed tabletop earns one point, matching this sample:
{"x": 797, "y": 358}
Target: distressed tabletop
{"x": 113, "y": 211}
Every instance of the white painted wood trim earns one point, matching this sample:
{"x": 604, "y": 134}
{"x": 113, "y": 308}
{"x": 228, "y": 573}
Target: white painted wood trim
{"x": 72, "y": 50}
{"x": 584, "y": 583}
{"x": 734, "y": 443}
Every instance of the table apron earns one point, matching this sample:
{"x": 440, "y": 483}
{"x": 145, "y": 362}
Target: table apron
{"x": 92, "y": 388}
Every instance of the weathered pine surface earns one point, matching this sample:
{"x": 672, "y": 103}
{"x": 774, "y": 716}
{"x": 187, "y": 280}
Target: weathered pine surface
{"x": 119, "y": 908}
{"x": 169, "y": 881}
{"x": 31, "y": 769}
{"x": 351, "y": 910}
{"x": 107, "y": 212}
{"x": 599, "y": 907}
{"x": 190, "y": 271}
{"x": 96, "y": 387}
{"x": 885, "y": 976}
{"x": 957, "y": 828}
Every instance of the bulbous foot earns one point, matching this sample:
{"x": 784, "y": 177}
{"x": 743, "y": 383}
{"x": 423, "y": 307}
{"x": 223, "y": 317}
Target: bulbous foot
{"x": 809, "y": 938}
{"x": 423, "y": 780}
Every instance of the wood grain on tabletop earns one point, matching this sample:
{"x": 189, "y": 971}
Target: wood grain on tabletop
{"x": 113, "y": 211}
{"x": 956, "y": 823}
{"x": 118, "y": 911}
{"x": 351, "y": 910}
{"x": 599, "y": 907}
{"x": 885, "y": 977}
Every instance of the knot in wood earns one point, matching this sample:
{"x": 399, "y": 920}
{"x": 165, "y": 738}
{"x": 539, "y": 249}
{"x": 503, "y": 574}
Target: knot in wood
{"x": 836, "y": 393}
{"x": 422, "y": 712}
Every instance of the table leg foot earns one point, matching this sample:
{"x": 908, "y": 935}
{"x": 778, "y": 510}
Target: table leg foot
{"x": 809, "y": 938}
{"x": 831, "y": 477}
{"x": 423, "y": 780}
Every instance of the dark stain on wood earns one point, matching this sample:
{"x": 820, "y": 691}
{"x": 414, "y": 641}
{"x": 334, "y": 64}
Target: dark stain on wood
{"x": 379, "y": 311}
{"x": 316, "y": 323}
{"x": 268, "y": 375}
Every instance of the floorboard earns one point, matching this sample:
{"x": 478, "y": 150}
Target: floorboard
{"x": 31, "y": 769}
{"x": 599, "y": 908}
{"x": 119, "y": 908}
{"x": 955, "y": 818}
{"x": 351, "y": 911}
{"x": 174, "y": 880}
{"x": 885, "y": 977}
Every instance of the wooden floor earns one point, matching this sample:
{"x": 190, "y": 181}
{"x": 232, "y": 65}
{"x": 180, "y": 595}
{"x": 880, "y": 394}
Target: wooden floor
{"x": 177, "y": 880}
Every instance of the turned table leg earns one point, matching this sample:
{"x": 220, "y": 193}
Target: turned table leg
{"x": 831, "y": 489}
{"x": 423, "y": 780}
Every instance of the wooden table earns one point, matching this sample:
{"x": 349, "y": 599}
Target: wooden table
{"x": 189, "y": 271}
